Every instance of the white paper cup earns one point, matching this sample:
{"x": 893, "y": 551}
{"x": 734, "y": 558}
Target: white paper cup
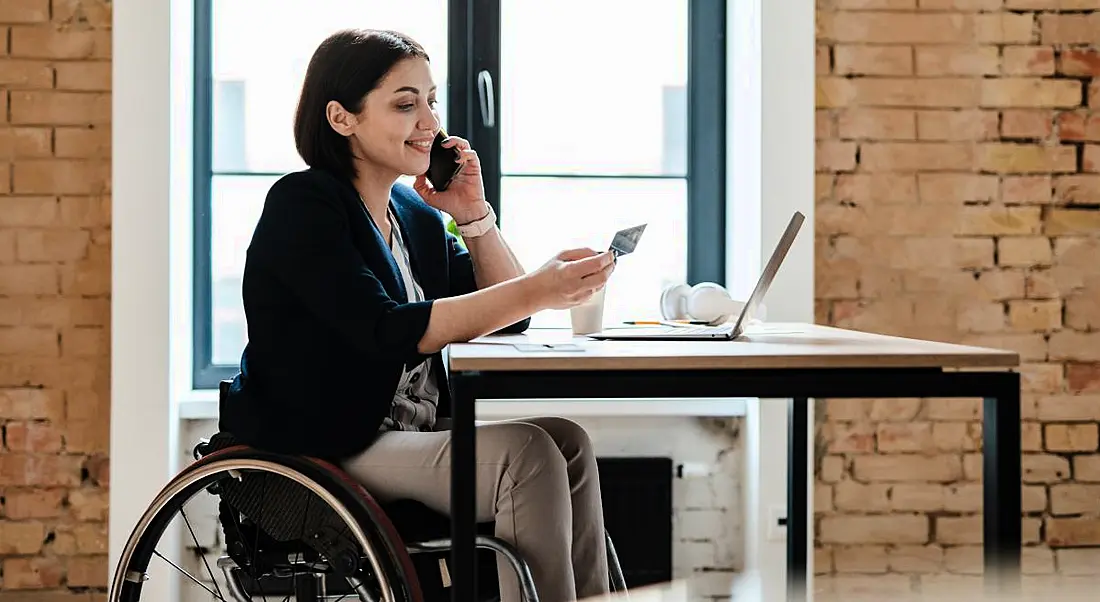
{"x": 587, "y": 317}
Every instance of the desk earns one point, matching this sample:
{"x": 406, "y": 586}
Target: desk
{"x": 791, "y": 361}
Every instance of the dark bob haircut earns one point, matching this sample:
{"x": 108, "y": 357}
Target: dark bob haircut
{"x": 345, "y": 67}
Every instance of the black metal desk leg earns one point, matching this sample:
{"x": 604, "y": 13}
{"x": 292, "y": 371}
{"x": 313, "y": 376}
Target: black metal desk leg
{"x": 797, "y": 498}
{"x": 463, "y": 489}
{"x": 1001, "y": 486}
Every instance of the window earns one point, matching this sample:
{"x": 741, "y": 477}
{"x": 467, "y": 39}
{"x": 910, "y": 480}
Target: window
{"x": 585, "y": 122}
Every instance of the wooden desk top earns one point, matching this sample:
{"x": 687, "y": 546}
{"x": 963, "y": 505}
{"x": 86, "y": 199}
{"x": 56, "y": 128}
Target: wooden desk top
{"x": 772, "y": 345}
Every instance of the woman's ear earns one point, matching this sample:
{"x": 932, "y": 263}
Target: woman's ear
{"x": 340, "y": 119}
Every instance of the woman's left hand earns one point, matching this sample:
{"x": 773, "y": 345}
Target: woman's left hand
{"x": 464, "y": 199}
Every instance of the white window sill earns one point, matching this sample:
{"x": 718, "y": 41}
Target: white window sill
{"x": 203, "y": 405}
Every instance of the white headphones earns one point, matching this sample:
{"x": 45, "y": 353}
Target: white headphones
{"x": 706, "y": 301}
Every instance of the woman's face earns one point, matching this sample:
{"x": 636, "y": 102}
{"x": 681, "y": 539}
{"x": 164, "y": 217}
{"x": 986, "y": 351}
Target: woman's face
{"x": 395, "y": 129}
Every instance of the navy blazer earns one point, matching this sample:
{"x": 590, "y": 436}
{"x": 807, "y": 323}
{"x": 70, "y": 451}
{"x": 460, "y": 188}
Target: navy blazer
{"x": 329, "y": 321}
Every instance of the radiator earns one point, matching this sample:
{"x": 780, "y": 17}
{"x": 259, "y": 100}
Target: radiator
{"x": 637, "y": 502}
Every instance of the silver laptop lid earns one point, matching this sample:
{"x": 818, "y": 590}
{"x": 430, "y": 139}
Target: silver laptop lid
{"x": 770, "y": 270}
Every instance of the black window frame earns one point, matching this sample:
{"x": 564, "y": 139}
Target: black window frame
{"x": 474, "y": 48}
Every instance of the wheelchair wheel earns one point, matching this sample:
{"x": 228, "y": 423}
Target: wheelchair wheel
{"x": 283, "y": 522}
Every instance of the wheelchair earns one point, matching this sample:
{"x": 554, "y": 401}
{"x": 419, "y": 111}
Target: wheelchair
{"x": 299, "y": 528}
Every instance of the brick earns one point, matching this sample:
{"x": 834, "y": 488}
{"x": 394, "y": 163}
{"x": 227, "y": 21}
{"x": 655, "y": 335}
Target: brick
{"x": 1033, "y": 498}
{"x": 1031, "y": 347}
{"x": 1077, "y": 189}
{"x": 1035, "y": 316}
{"x": 822, "y": 63}
{"x": 916, "y": 156}
{"x": 1079, "y": 125}
{"x": 1079, "y": 62}
{"x": 860, "y": 559}
{"x": 872, "y": 60}
{"x": 957, "y": 60}
{"x": 956, "y": 188}
{"x": 1072, "y": 221}
{"x": 87, "y": 571}
{"x": 999, "y": 221}
{"x": 1030, "y": 92}
{"x": 52, "y": 245}
{"x": 1078, "y": 561}
{"x": 61, "y": 177}
{"x": 835, "y": 155}
{"x": 1026, "y": 158}
{"x": 1075, "y": 346}
{"x": 31, "y": 404}
{"x": 874, "y": 4}
{"x": 972, "y": 467}
{"x": 877, "y": 124}
{"x": 862, "y": 188}
{"x": 85, "y": 75}
{"x": 60, "y": 108}
{"x": 1072, "y": 498}
{"x": 1083, "y": 378}
{"x": 87, "y": 212}
{"x": 1028, "y": 60}
{"x": 26, "y": 74}
{"x": 28, "y": 280}
{"x": 958, "y": 530}
{"x": 1069, "y": 28}
{"x": 1072, "y": 532}
{"x": 5, "y": 178}
{"x": 28, "y": 211}
{"x": 832, "y": 469}
{"x": 904, "y": 437}
{"x": 1042, "y": 378}
{"x": 904, "y": 468}
{"x": 33, "y": 437}
{"x": 45, "y": 42}
{"x": 824, "y": 125}
{"x": 896, "y": 28}
{"x": 1071, "y": 437}
{"x": 1051, "y": 5}
{"x": 27, "y": 573}
{"x": 24, "y": 11}
{"x": 22, "y": 504}
{"x": 915, "y": 559}
{"x": 1024, "y": 251}
{"x": 851, "y": 437}
{"x": 1066, "y": 408}
{"x": 82, "y": 143}
{"x": 963, "y": 497}
{"x": 953, "y": 125}
{"x": 917, "y": 497}
{"x": 21, "y": 537}
{"x": 898, "y": 528}
{"x": 849, "y": 496}
{"x": 941, "y": 408}
{"x": 1086, "y": 468}
{"x": 899, "y": 409}
{"x": 956, "y": 436}
{"x": 981, "y": 317}
{"x": 1027, "y": 123}
{"x": 91, "y": 277}
{"x": 88, "y": 504}
{"x": 1091, "y": 161}
{"x": 965, "y": 560}
{"x": 39, "y": 470}
{"x": 1004, "y": 28}
{"x": 913, "y": 93}
{"x": 24, "y": 143}
{"x": 1038, "y": 468}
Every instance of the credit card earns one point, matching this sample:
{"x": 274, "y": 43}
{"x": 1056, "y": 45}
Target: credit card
{"x": 626, "y": 240}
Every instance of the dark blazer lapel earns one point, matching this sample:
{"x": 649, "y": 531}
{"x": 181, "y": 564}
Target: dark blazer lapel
{"x": 391, "y": 277}
{"x": 413, "y": 231}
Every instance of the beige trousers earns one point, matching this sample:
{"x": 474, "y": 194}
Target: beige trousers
{"x": 536, "y": 477}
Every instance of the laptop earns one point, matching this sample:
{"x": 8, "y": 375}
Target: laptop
{"x": 724, "y": 332}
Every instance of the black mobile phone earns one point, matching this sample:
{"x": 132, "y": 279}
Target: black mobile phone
{"x": 443, "y": 165}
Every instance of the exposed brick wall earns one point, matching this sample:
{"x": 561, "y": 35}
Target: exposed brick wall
{"x": 54, "y": 297}
{"x": 958, "y": 188}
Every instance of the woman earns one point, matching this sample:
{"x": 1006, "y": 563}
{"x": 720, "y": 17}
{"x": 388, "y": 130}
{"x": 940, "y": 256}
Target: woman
{"x": 352, "y": 287}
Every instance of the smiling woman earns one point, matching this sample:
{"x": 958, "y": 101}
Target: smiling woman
{"x": 351, "y": 289}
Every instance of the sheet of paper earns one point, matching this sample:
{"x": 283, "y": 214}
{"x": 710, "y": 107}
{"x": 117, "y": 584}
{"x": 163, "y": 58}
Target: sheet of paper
{"x": 540, "y": 347}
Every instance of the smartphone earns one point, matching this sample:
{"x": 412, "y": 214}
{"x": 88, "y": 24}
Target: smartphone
{"x": 443, "y": 165}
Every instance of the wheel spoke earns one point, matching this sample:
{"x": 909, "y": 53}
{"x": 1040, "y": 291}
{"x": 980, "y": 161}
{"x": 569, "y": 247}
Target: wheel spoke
{"x": 202, "y": 551}
{"x": 190, "y": 576}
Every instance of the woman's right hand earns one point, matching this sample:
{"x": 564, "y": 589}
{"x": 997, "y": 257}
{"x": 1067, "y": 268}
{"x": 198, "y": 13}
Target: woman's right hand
{"x": 571, "y": 277}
